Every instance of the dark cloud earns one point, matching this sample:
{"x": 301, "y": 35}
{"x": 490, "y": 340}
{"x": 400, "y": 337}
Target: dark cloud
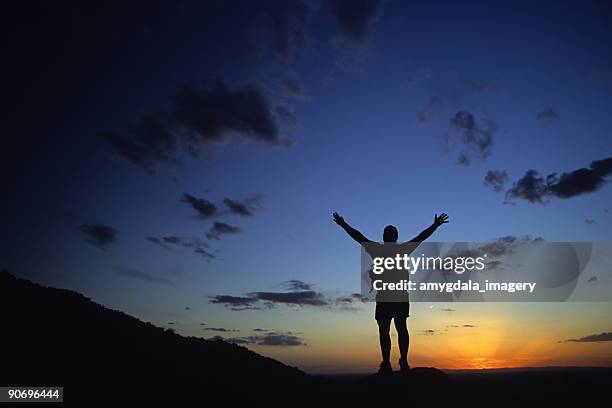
{"x": 592, "y": 279}
{"x": 198, "y": 246}
{"x": 300, "y": 298}
{"x": 428, "y": 332}
{"x": 242, "y": 208}
{"x": 208, "y": 115}
{"x": 548, "y": 114}
{"x": 205, "y": 208}
{"x": 99, "y": 235}
{"x": 257, "y": 300}
{"x": 355, "y": 17}
{"x": 293, "y": 89}
{"x": 287, "y": 116}
{"x": 593, "y": 338}
{"x": 157, "y": 241}
{"x": 468, "y": 325}
{"x": 534, "y": 188}
{"x": 463, "y": 159}
{"x": 476, "y": 137}
{"x": 298, "y": 294}
{"x": 171, "y": 239}
{"x": 261, "y": 330}
{"x": 269, "y": 339}
{"x": 136, "y": 274}
{"x": 146, "y": 143}
{"x": 237, "y": 340}
{"x": 197, "y": 119}
{"x": 208, "y": 209}
{"x": 589, "y": 221}
{"x": 221, "y": 228}
{"x": 448, "y": 310}
{"x": 220, "y": 329}
{"x": 296, "y": 285}
{"x": 497, "y": 248}
{"x": 280, "y": 339}
{"x": 235, "y": 302}
{"x": 496, "y": 179}
{"x": 350, "y": 299}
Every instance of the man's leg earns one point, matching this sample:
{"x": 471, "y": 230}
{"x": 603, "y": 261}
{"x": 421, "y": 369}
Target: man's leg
{"x": 384, "y": 325}
{"x": 403, "y": 339}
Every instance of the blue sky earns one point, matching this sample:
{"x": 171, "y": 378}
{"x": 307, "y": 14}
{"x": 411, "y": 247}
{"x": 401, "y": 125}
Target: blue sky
{"x": 358, "y": 147}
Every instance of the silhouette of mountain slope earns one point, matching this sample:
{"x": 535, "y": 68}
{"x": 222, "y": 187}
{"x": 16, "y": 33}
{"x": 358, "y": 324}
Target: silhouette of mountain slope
{"x": 62, "y": 338}
{"x": 57, "y": 337}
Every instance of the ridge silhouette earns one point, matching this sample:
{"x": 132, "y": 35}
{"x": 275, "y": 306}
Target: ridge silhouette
{"x": 57, "y": 337}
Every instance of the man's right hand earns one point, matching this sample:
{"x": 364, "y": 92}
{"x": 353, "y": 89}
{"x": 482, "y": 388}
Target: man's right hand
{"x": 338, "y": 219}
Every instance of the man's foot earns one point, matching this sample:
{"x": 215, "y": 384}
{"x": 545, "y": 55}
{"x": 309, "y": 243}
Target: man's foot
{"x": 404, "y": 367}
{"x": 385, "y": 368}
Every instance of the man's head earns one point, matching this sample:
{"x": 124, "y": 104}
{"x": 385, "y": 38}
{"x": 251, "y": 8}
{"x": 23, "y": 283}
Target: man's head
{"x": 390, "y": 234}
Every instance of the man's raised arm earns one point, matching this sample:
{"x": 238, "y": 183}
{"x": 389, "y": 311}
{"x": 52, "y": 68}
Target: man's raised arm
{"x": 356, "y": 235}
{"x": 426, "y": 233}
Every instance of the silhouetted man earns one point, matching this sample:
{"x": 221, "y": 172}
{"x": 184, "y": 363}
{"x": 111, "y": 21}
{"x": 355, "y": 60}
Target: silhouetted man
{"x": 398, "y": 311}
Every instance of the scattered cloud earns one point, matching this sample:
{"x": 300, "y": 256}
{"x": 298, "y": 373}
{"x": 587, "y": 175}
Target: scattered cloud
{"x": 235, "y": 302}
{"x": 496, "y": 179}
{"x": 293, "y": 88}
{"x": 243, "y": 208}
{"x": 592, "y": 338}
{"x": 220, "y": 329}
{"x": 270, "y": 339}
{"x": 355, "y": 17}
{"x": 285, "y": 114}
{"x": 221, "y": 228}
{"x": 297, "y": 293}
{"x": 296, "y": 285}
{"x": 198, "y": 246}
{"x": 448, "y": 310}
{"x": 475, "y": 137}
{"x": 548, "y": 114}
{"x": 589, "y": 221}
{"x": 197, "y": 119}
{"x": 204, "y": 208}
{"x": 534, "y": 188}
{"x": 147, "y": 277}
{"x": 592, "y": 279}
{"x": 299, "y": 298}
{"x": 99, "y": 235}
